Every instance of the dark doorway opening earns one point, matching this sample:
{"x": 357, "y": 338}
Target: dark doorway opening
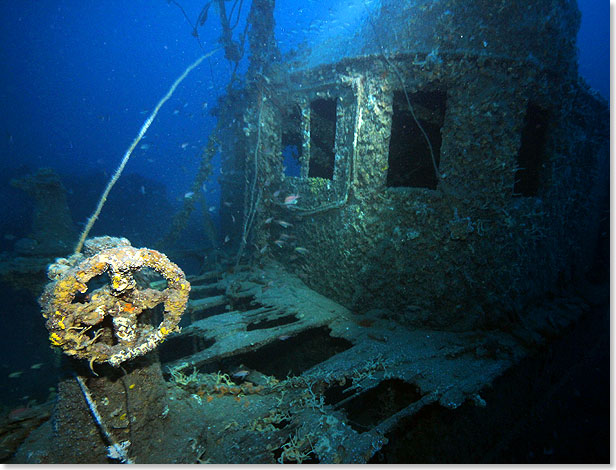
{"x": 322, "y": 138}
{"x": 531, "y": 155}
{"x": 410, "y": 159}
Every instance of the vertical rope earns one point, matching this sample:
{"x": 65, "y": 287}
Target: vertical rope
{"x": 128, "y": 153}
{"x": 114, "y": 450}
{"x": 251, "y": 204}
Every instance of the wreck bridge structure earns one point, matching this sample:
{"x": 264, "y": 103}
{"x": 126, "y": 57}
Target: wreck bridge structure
{"x": 448, "y": 161}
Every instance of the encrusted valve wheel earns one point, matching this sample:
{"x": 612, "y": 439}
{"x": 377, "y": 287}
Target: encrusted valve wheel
{"x": 104, "y": 325}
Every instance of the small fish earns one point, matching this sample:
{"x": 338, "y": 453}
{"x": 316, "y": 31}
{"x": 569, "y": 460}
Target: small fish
{"x": 232, "y": 218}
{"x": 228, "y": 204}
{"x": 16, "y": 375}
{"x": 184, "y": 145}
{"x": 38, "y": 365}
{"x": 212, "y": 208}
{"x": 188, "y": 195}
{"x": 268, "y": 220}
{"x": 263, "y": 250}
{"x": 284, "y": 224}
{"x": 301, "y": 250}
{"x": 145, "y": 146}
{"x": 291, "y": 199}
{"x": 17, "y": 412}
{"x": 277, "y": 193}
{"x": 279, "y": 243}
{"x": 227, "y": 238}
{"x": 142, "y": 189}
{"x": 284, "y": 337}
{"x": 176, "y": 111}
{"x": 240, "y": 374}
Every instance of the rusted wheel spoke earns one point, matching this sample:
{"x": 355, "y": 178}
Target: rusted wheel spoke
{"x": 121, "y": 300}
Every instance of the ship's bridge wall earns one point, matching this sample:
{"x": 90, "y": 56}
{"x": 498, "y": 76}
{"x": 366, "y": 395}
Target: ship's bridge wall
{"x": 445, "y": 188}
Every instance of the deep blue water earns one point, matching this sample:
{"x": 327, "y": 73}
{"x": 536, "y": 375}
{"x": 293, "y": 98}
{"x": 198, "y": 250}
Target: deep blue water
{"x": 79, "y": 77}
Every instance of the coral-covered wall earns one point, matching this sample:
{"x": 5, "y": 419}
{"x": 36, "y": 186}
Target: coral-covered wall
{"x": 470, "y": 252}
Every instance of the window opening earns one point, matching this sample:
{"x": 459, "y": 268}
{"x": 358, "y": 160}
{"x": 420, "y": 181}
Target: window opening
{"x": 322, "y": 138}
{"x": 410, "y": 162}
{"x": 292, "y": 142}
{"x": 531, "y": 155}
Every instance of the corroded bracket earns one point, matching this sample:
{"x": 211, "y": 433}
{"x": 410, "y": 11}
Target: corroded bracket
{"x": 103, "y": 325}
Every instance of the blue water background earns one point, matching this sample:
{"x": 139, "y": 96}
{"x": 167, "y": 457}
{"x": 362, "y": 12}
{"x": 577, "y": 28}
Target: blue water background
{"x": 79, "y": 77}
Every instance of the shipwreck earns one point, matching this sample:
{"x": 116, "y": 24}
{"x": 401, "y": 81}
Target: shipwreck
{"x": 416, "y": 213}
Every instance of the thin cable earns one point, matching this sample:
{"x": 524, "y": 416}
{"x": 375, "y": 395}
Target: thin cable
{"x": 142, "y": 131}
{"x": 408, "y": 101}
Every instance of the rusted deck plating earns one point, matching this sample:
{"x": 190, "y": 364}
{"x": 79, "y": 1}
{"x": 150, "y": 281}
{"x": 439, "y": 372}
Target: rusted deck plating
{"x": 270, "y": 305}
